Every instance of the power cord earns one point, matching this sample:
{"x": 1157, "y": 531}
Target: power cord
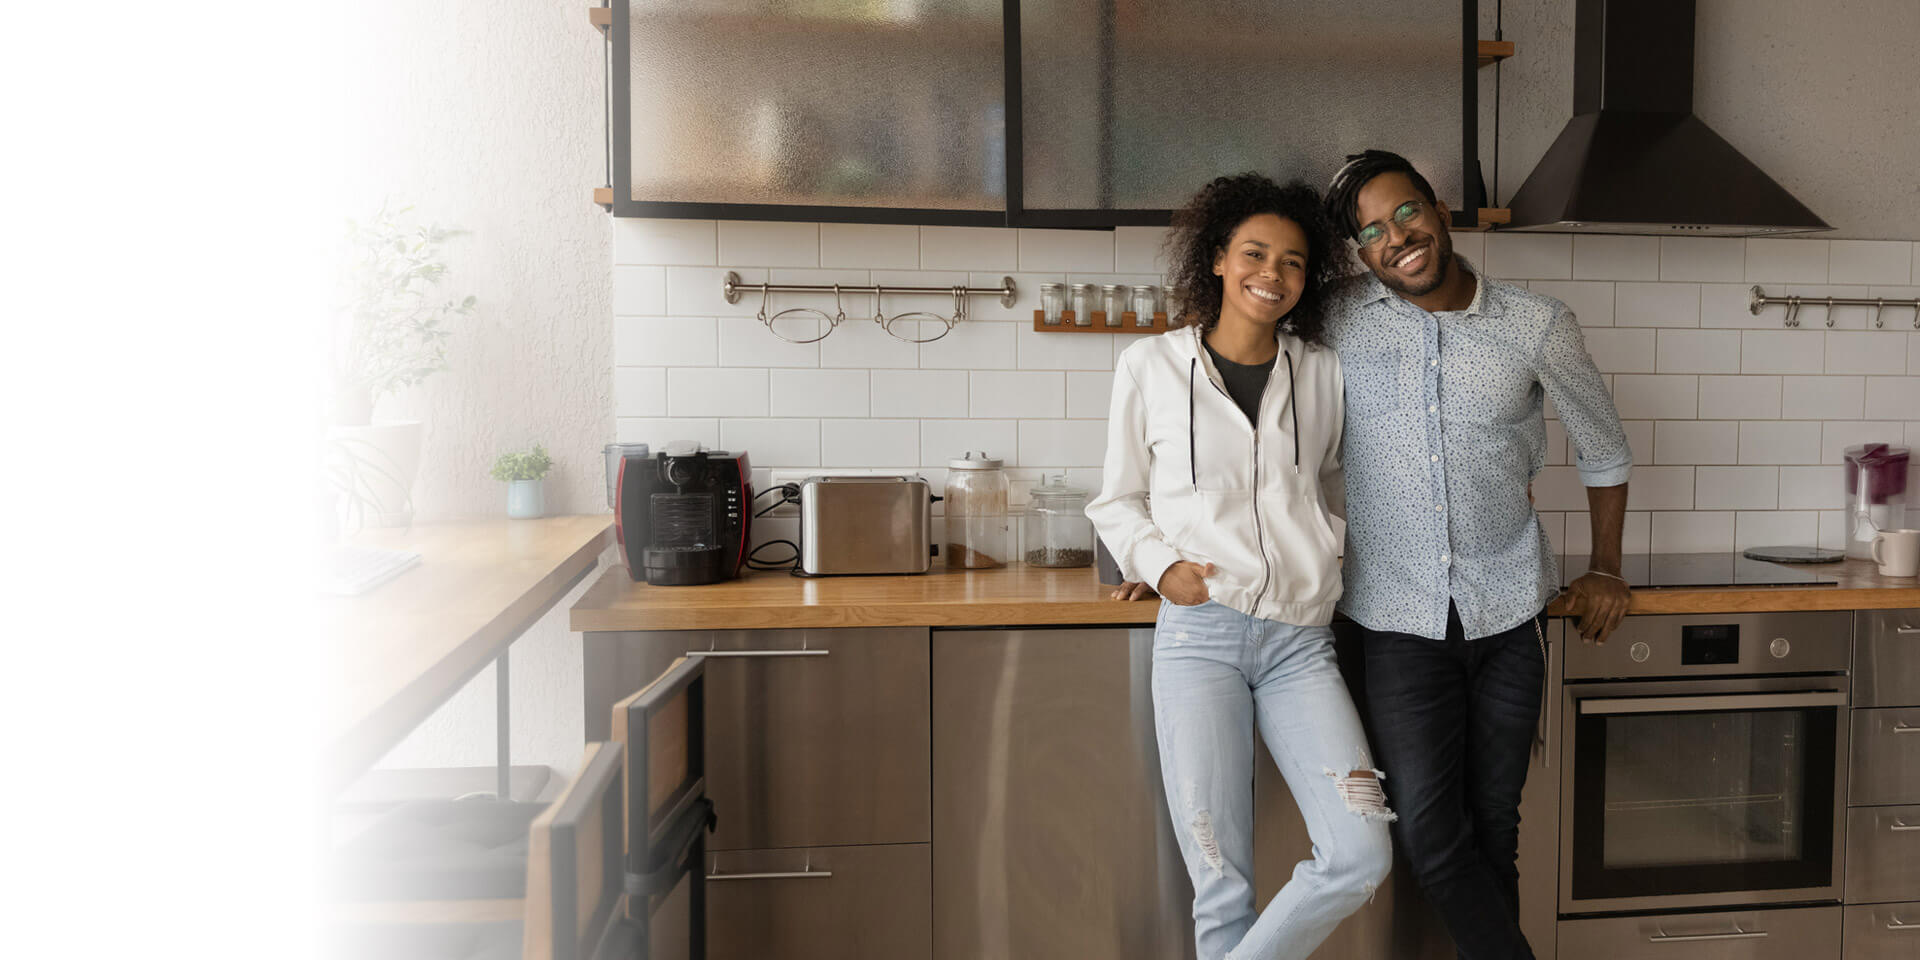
{"x": 789, "y": 493}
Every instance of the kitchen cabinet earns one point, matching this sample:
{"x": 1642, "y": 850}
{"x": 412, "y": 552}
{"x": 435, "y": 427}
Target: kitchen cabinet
{"x": 1062, "y": 113}
{"x": 829, "y": 903}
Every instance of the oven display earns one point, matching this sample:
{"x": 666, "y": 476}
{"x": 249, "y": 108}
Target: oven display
{"x": 1709, "y": 643}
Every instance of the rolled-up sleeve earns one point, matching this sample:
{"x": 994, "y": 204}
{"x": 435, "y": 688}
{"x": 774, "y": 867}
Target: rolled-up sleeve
{"x": 1566, "y": 370}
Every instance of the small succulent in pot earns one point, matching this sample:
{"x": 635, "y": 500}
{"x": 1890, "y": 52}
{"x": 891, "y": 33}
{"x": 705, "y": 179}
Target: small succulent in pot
{"x": 523, "y": 474}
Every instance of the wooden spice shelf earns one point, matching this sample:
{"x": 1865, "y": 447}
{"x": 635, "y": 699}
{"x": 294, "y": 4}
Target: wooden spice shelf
{"x": 1099, "y": 325}
{"x": 1494, "y": 51}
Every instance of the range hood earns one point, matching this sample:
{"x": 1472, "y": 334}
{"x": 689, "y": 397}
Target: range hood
{"x": 1634, "y": 159}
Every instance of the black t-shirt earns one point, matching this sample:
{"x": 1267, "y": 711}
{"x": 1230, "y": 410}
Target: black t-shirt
{"x": 1245, "y": 382}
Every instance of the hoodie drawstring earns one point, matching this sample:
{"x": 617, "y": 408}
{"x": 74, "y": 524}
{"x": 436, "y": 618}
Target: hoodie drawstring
{"x": 1293, "y": 407}
{"x": 1193, "y": 471}
{"x": 1293, "y": 404}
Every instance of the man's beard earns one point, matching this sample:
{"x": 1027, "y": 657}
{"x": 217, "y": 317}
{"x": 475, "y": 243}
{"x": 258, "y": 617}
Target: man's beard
{"x": 1442, "y": 258}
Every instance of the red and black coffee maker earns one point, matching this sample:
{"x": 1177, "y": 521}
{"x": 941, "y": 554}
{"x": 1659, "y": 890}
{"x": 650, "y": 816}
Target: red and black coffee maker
{"x": 681, "y": 516}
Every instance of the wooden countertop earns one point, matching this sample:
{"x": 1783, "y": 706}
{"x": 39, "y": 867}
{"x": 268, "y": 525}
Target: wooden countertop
{"x": 404, "y": 647}
{"x": 1025, "y": 596}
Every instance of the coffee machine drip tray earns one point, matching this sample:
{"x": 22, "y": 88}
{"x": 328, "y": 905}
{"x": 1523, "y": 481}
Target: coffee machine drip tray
{"x": 1703, "y": 570}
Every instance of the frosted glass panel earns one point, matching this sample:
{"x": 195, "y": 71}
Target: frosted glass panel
{"x": 1133, "y": 104}
{"x": 885, "y": 103}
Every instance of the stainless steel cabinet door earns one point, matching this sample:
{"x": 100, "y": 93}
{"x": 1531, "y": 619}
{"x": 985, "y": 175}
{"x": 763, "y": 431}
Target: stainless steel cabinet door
{"x": 1886, "y": 658}
{"x": 1886, "y": 756}
{"x": 1811, "y": 933}
{"x": 1048, "y": 812}
{"x": 814, "y": 737}
{"x": 1883, "y": 855}
{"x": 823, "y": 903}
{"x": 1883, "y": 931}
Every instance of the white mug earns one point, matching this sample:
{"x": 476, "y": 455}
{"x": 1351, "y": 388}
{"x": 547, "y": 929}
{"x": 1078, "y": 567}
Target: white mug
{"x": 1897, "y": 552}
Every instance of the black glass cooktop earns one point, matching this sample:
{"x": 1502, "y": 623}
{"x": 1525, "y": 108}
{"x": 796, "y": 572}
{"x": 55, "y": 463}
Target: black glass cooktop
{"x": 1707, "y": 570}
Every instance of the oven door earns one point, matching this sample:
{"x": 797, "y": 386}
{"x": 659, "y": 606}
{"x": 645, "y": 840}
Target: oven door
{"x": 1695, "y": 793}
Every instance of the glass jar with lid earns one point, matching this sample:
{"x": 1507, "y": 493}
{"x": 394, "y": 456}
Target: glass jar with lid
{"x": 1056, "y": 531}
{"x": 976, "y": 513}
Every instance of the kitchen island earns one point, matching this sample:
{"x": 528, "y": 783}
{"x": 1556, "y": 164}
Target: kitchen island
{"x": 1003, "y": 720}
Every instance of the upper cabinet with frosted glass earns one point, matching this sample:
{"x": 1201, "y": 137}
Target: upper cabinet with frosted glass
{"x": 1079, "y": 113}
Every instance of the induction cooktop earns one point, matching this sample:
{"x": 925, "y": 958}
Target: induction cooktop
{"x": 1707, "y": 570}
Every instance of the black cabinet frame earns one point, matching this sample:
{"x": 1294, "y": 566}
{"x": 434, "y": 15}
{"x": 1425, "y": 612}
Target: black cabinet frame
{"x": 1015, "y": 214}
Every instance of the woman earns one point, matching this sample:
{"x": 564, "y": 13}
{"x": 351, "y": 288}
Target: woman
{"x": 1229, "y": 427}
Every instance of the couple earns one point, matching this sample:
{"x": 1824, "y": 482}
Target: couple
{"x": 1412, "y": 396}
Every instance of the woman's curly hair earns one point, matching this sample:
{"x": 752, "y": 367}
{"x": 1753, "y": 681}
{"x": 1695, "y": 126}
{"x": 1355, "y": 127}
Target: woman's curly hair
{"x": 1201, "y": 231}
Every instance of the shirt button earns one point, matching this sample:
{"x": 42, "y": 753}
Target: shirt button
{"x": 1439, "y": 507}
{"x": 1434, "y": 458}
{"x": 1433, "y": 363}
{"x": 1431, "y": 408}
{"x": 1446, "y": 557}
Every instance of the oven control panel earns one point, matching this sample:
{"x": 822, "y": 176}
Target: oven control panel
{"x": 1727, "y": 644}
{"x": 1709, "y": 644}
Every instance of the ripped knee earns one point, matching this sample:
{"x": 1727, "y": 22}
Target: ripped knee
{"x": 1203, "y": 834}
{"x": 1360, "y": 789}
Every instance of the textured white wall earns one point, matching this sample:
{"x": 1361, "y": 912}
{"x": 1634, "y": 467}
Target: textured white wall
{"x": 1816, "y": 94}
{"x": 488, "y": 115}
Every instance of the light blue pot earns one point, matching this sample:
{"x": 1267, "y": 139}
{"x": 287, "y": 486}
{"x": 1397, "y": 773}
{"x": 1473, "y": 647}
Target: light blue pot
{"x": 526, "y": 499}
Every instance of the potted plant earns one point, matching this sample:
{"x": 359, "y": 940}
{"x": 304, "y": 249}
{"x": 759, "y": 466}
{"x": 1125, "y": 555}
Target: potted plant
{"x": 393, "y": 334}
{"x": 524, "y": 474}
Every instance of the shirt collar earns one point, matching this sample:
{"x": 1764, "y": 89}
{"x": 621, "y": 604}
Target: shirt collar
{"x": 1481, "y": 305}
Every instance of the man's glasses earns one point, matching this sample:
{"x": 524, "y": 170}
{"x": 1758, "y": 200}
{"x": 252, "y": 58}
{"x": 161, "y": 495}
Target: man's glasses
{"x": 1372, "y": 234}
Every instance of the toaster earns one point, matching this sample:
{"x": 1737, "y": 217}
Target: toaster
{"x": 854, "y": 525}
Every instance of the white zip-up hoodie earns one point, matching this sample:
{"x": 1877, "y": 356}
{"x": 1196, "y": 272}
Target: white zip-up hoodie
{"x": 1252, "y": 501}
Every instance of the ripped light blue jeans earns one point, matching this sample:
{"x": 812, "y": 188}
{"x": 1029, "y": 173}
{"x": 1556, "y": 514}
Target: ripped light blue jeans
{"x": 1217, "y": 673}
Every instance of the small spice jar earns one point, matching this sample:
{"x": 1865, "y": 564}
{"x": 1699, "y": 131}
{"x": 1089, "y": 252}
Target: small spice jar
{"x": 1056, "y": 532}
{"x": 1144, "y": 305}
{"x": 976, "y": 512}
{"x": 1052, "y": 301}
{"x": 1114, "y": 296}
{"x": 1083, "y": 304}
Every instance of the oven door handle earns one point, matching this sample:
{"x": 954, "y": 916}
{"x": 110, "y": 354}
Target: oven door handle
{"x": 1714, "y": 702}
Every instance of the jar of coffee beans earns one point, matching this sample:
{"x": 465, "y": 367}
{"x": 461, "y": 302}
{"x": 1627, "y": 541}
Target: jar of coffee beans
{"x": 1056, "y": 531}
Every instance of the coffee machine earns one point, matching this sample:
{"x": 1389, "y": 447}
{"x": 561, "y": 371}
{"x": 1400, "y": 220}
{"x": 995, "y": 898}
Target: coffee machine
{"x": 682, "y": 515}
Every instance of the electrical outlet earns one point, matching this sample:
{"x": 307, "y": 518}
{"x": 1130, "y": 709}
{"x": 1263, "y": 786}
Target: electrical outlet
{"x": 777, "y": 478}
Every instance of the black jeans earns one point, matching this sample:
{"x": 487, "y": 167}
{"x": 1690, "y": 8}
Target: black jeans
{"x": 1453, "y": 723}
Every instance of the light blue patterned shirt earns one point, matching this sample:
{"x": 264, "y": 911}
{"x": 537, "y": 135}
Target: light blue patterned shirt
{"x": 1444, "y": 433}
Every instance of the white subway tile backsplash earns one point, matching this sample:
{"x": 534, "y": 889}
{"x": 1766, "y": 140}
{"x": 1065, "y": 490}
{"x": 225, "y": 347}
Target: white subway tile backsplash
{"x": 1530, "y": 256}
{"x": 1696, "y": 441}
{"x": 972, "y": 345}
{"x": 870, "y": 246}
{"x": 660, "y": 242}
{"x": 1472, "y": 246}
{"x": 657, "y": 432}
{"x": 1657, "y": 397}
{"x": 1736, "y": 488}
{"x": 1071, "y": 251}
{"x": 1775, "y": 528}
{"x": 1698, "y": 351}
{"x": 755, "y": 243}
{"x": 1559, "y": 488}
{"x": 1893, "y": 398}
{"x": 1615, "y": 350}
{"x": 969, "y": 248}
{"x": 1555, "y": 527}
{"x": 1913, "y": 350}
{"x": 1837, "y": 435}
{"x": 665, "y": 342}
{"x": 1813, "y": 488}
{"x": 920, "y": 393}
{"x": 1635, "y": 533}
{"x": 1870, "y": 261}
{"x": 943, "y": 440}
{"x": 701, "y": 292}
{"x": 1872, "y": 352}
{"x": 1138, "y": 250}
{"x": 1063, "y": 443}
{"x": 774, "y": 443}
{"x": 716, "y": 392}
{"x": 746, "y": 342}
{"x": 897, "y": 304}
{"x": 1786, "y": 261}
{"x": 818, "y": 393}
{"x": 1823, "y": 398}
{"x": 869, "y": 444}
{"x": 1711, "y": 259}
{"x": 1660, "y": 488}
{"x": 1590, "y": 300}
{"x": 1833, "y": 529}
{"x": 1729, "y": 305}
{"x": 1692, "y": 532}
{"x": 1639, "y": 440}
{"x": 1018, "y": 394}
{"x": 1779, "y": 442}
{"x": 1782, "y": 351}
{"x": 1656, "y": 305}
{"x": 1556, "y": 443}
{"x": 862, "y": 343}
{"x": 1089, "y": 395}
{"x": 1065, "y": 351}
{"x": 639, "y": 291}
{"x": 1739, "y": 398}
{"x": 1599, "y": 257}
{"x": 639, "y": 392}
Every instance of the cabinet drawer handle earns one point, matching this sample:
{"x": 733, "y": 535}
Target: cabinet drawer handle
{"x": 1905, "y": 630}
{"x": 757, "y": 653}
{"x": 1901, "y": 826}
{"x": 1902, "y": 726}
{"x": 796, "y": 875}
{"x": 1737, "y": 934}
{"x": 1894, "y": 923}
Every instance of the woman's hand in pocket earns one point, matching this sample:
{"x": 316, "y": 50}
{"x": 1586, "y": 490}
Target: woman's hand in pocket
{"x": 1185, "y": 583}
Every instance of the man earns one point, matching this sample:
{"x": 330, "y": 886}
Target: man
{"x": 1448, "y": 571}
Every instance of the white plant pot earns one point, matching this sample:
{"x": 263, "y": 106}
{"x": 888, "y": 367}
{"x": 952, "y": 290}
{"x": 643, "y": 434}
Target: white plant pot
{"x": 526, "y": 499}
{"x": 373, "y": 467}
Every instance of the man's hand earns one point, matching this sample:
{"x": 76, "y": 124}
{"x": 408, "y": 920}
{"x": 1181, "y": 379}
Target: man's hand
{"x": 1600, "y": 602}
{"x": 1184, "y": 583}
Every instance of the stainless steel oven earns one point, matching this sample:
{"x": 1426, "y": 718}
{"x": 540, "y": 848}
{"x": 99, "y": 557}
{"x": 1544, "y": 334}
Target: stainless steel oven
{"x": 1706, "y": 762}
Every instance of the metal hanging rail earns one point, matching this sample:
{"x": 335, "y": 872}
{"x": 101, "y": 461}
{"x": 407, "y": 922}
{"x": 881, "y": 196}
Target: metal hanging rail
{"x": 1759, "y": 300}
{"x": 734, "y": 287}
